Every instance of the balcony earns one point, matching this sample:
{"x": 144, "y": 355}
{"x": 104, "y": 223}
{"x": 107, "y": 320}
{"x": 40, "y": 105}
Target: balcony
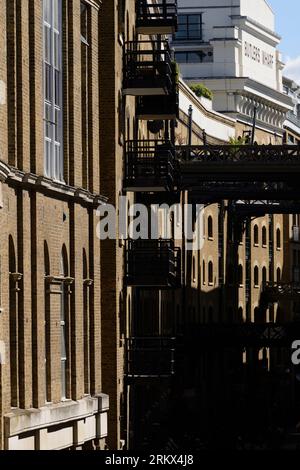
{"x": 156, "y": 17}
{"x": 153, "y": 108}
{"x": 153, "y": 263}
{"x": 148, "y": 69}
{"x": 150, "y": 357}
{"x": 150, "y": 166}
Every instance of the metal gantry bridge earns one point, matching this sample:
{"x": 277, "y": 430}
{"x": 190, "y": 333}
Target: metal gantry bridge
{"x": 256, "y": 180}
{"x": 211, "y": 173}
{"x": 254, "y": 163}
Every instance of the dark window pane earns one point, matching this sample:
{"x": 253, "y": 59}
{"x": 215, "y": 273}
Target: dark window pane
{"x": 57, "y": 88}
{"x": 48, "y": 83}
{"x": 180, "y": 57}
{"x": 182, "y": 19}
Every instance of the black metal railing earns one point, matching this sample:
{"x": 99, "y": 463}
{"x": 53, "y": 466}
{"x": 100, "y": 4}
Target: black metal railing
{"x": 150, "y": 357}
{"x": 228, "y": 154}
{"x": 215, "y": 191}
{"x": 156, "y": 17}
{"x": 274, "y": 291}
{"x": 239, "y": 163}
{"x": 216, "y": 336}
{"x": 153, "y": 263}
{"x": 158, "y": 107}
{"x": 147, "y": 68}
{"x": 260, "y": 208}
{"x": 150, "y": 164}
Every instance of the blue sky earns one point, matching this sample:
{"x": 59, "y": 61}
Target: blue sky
{"x": 287, "y": 13}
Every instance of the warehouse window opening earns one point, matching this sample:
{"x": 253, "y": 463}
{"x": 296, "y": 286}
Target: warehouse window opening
{"x": 53, "y": 152}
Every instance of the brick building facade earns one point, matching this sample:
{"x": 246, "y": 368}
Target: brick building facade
{"x": 78, "y": 314}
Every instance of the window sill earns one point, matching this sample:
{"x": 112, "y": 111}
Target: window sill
{"x": 256, "y": 287}
{"x": 211, "y": 239}
{"x": 256, "y": 245}
{"x": 264, "y": 246}
{"x": 211, "y": 284}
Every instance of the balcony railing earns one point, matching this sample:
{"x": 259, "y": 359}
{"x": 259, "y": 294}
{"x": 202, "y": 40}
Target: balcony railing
{"x": 239, "y": 163}
{"x": 156, "y": 16}
{"x": 150, "y": 357}
{"x": 150, "y": 166}
{"x": 218, "y": 336}
{"x": 153, "y": 263}
{"x": 151, "y": 108}
{"x": 275, "y": 291}
{"x": 148, "y": 69}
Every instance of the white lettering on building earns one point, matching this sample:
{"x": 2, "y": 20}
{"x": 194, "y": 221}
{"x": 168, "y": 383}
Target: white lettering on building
{"x": 256, "y": 54}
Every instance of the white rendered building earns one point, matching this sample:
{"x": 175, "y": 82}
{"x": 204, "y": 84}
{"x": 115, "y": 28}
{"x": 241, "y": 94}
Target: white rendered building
{"x": 231, "y": 47}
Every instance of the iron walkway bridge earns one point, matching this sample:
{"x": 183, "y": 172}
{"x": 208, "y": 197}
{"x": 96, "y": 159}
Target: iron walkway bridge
{"x": 245, "y": 335}
{"x": 216, "y": 191}
{"x": 213, "y": 173}
{"x": 238, "y": 163}
{"x": 274, "y": 291}
{"x": 260, "y": 208}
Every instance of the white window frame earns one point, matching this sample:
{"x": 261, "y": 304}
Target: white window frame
{"x": 53, "y": 143}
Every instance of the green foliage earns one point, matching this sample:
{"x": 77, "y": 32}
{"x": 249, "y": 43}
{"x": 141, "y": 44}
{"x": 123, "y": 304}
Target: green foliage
{"x": 238, "y": 140}
{"x": 201, "y": 90}
{"x": 176, "y": 71}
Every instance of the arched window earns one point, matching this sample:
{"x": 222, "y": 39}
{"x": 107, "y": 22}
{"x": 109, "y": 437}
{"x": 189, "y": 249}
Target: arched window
{"x": 264, "y": 275}
{"x": 203, "y": 272}
{"x": 13, "y": 326}
{"x": 278, "y": 239}
{"x": 210, "y": 272}
{"x": 47, "y": 327}
{"x": 278, "y": 275}
{"x": 86, "y": 324}
{"x": 255, "y": 234}
{"x": 64, "y": 325}
{"x": 264, "y": 236}
{"x": 256, "y": 276}
{"x": 210, "y": 227}
{"x": 240, "y": 275}
{"x": 194, "y": 269}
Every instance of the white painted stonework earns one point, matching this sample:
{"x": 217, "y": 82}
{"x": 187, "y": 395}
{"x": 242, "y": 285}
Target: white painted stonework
{"x": 215, "y": 124}
{"x": 243, "y": 67}
{"x": 60, "y": 426}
